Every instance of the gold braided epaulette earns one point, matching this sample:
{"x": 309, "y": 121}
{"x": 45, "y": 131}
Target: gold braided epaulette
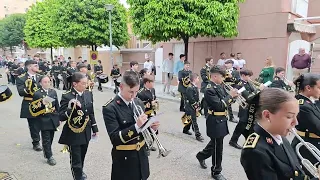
{"x": 22, "y": 75}
{"x": 251, "y": 141}
{"x": 106, "y": 104}
{"x": 67, "y": 92}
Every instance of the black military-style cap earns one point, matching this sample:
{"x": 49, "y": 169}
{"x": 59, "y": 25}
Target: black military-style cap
{"x": 29, "y": 62}
{"x": 5, "y": 93}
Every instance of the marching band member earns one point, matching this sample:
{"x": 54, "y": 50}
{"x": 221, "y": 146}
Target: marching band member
{"x": 205, "y": 76}
{"x": 243, "y": 115}
{"x": 142, "y": 74}
{"x": 76, "y": 108}
{"x": 83, "y": 68}
{"x": 98, "y": 69}
{"x": 55, "y": 71}
{"x": 13, "y": 71}
{"x": 21, "y": 69}
{"x": 278, "y": 80}
{"x": 192, "y": 108}
{"x": 70, "y": 71}
{"x": 27, "y": 84}
{"x": 184, "y": 82}
{"x": 47, "y": 114}
{"x": 267, "y": 153}
{"x": 147, "y": 95}
{"x": 129, "y": 154}
{"x": 134, "y": 66}
{"x": 217, "y": 127}
{"x": 232, "y": 78}
{"x": 115, "y": 74}
{"x": 308, "y": 127}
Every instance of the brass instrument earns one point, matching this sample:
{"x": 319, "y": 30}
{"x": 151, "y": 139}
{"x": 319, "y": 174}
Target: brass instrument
{"x": 90, "y": 85}
{"x": 147, "y": 135}
{"x": 155, "y": 106}
{"x": 312, "y": 149}
{"x": 255, "y": 83}
{"x": 240, "y": 99}
{"x": 287, "y": 82}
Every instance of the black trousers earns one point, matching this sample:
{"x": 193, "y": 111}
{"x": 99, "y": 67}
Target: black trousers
{"x": 182, "y": 102}
{"x": 47, "y": 138}
{"x": 230, "y": 112}
{"x": 9, "y": 78}
{"x": 238, "y": 131}
{"x": 13, "y": 79}
{"x": 192, "y": 123}
{"x": 214, "y": 148}
{"x": 116, "y": 85}
{"x": 56, "y": 82}
{"x": 77, "y": 156}
{"x": 34, "y": 127}
{"x": 99, "y": 82}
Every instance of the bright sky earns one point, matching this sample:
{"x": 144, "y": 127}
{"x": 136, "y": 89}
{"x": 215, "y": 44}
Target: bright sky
{"x": 124, "y": 3}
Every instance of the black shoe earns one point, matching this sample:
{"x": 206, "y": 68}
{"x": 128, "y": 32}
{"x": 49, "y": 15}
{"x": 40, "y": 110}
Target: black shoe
{"x": 84, "y": 176}
{"x": 37, "y": 147}
{"x": 202, "y": 163}
{"x": 187, "y": 132}
{"x": 51, "y": 161}
{"x": 218, "y": 176}
{"x": 153, "y": 149}
{"x": 233, "y": 120}
{"x": 235, "y": 145}
{"x": 200, "y": 138}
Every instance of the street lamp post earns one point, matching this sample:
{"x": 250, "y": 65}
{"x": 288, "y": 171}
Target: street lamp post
{"x": 109, "y": 8}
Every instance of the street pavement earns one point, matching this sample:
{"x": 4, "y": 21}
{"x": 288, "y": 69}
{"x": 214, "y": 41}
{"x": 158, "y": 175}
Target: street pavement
{"x": 19, "y": 159}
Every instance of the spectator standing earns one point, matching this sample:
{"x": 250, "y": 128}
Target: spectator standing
{"x": 148, "y": 64}
{"x": 167, "y": 68}
{"x": 241, "y": 62}
{"x": 267, "y": 72}
{"x": 300, "y": 63}
{"x": 222, "y": 59}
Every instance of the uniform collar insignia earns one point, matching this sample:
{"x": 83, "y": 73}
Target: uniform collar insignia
{"x": 269, "y": 140}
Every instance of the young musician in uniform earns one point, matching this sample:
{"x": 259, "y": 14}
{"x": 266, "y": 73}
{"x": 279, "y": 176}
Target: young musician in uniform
{"x": 267, "y": 153}
{"x": 21, "y": 69}
{"x": 83, "y": 68}
{"x": 192, "y": 108}
{"x": 55, "y": 71}
{"x": 98, "y": 70}
{"x": 48, "y": 118}
{"x": 144, "y": 72}
{"x": 70, "y": 71}
{"x": 76, "y": 108}
{"x": 115, "y": 74}
{"x": 184, "y": 82}
{"x": 205, "y": 76}
{"x": 278, "y": 80}
{"x": 134, "y": 66}
{"x": 217, "y": 127}
{"x": 147, "y": 95}
{"x": 243, "y": 112}
{"x": 308, "y": 127}
{"x": 27, "y": 85}
{"x": 129, "y": 154}
{"x": 232, "y": 78}
{"x": 65, "y": 75}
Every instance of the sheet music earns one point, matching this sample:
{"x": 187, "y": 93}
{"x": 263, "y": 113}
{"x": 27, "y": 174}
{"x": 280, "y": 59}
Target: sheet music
{"x": 48, "y": 99}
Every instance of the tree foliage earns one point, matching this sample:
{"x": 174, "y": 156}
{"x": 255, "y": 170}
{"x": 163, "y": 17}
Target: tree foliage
{"x": 164, "y": 20}
{"x": 40, "y": 29}
{"x": 11, "y": 30}
{"x": 86, "y": 22}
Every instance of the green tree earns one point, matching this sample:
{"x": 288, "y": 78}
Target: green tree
{"x": 87, "y": 23}
{"x": 164, "y": 20}
{"x": 12, "y": 31}
{"x": 2, "y": 45}
{"x": 40, "y": 29}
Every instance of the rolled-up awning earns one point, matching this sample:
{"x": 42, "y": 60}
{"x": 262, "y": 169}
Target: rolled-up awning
{"x": 301, "y": 28}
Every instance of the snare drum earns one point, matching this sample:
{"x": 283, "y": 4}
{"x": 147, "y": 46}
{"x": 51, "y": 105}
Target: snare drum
{"x": 103, "y": 78}
{"x": 5, "y": 93}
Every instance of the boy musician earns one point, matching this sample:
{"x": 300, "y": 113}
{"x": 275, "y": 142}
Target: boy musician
{"x": 70, "y": 71}
{"x": 55, "y": 71}
{"x": 184, "y": 82}
{"x": 148, "y": 96}
{"x": 83, "y": 68}
{"x": 232, "y": 78}
{"x": 64, "y": 74}
{"x": 243, "y": 114}
{"x": 217, "y": 127}
{"x": 115, "y": 74}
{"x": 192, "y": 108}
{"x": 278, "y": 80}
{"x": 205, "y": 76}
{"x": 98, "y": 70}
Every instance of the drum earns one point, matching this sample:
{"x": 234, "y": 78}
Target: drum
{"x": 103, "y": 78}
{"x": 5, "y": 93}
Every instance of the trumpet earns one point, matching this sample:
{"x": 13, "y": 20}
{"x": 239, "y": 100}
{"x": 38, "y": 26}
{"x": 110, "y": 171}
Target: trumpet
{"x": 240, "y": 99}
{"x": 147, "y": 135}
{"x": 287, "y": 82}
{"x": 312, "y": 149}
{"x": 255, "y": 83}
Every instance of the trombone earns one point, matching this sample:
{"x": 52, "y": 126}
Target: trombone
{"x": 240, "y": 99}
{"x": 312, "y": 149}
{"x": 147, "y": 135}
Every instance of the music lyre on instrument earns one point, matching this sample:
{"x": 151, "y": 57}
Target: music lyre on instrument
{"x": 138, "y": 111}
{"x": 312, "y": 149}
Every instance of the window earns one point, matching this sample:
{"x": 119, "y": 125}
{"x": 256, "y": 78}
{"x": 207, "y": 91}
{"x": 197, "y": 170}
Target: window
{"x": 300, "y": 7}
